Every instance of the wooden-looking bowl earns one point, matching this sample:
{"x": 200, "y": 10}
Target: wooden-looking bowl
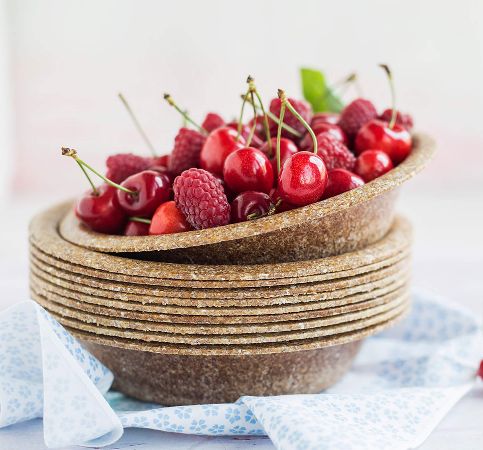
{"x": 341, "y": 224}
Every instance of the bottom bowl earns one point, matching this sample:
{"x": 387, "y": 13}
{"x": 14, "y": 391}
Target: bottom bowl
{"x": 170, "y": 379}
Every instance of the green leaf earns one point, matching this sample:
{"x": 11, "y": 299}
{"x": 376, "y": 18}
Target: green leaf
{"x": 317, "y": 93}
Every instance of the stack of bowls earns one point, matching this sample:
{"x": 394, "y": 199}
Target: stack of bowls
{"x": 205, "y": 331}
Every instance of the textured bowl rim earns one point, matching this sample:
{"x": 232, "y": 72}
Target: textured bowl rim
{"x": 73, "y": 231}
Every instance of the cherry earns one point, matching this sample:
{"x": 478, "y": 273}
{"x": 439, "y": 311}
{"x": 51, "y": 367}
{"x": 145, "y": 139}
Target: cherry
{"x": 218, "y": 145}
{"x": 164, "y": 171}
{"x": 250, "y": 205}
{"x": 341, "y": 180}
{"x": 334, "y": 130}
{"x": 303, "y": 179}
{"x": 287, "y": 149}
{"x": 280, "y": 204}
{"x": 324, "y": 117}
{"x": 168, "y": 219}
{"x": 248, "y": 169}
{"x": 372, "y": 164}
{"x": 479, "y": 372}
{"x": 144, "y": 192}
{"x": 212, "y": 122}
{"x": 99, "y": 209}
{"x": 389, "y": 137}
{"x": 136, "y": 227}
{"x": 162, "y": 161}
{"x": 395, "y": 140}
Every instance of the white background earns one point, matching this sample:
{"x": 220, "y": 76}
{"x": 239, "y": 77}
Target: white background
{"x": 62, "y": 63}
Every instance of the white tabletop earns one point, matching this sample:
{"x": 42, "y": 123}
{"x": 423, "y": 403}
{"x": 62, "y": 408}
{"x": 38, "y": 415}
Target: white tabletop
{"x": 448, "y": 258}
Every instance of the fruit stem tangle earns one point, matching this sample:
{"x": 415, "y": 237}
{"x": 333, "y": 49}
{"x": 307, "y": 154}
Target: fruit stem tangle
{"x": 139, "y": 219}
{"x": 392, "y": 122}
{"x": 170, "y": 100}
{"x": 275, "y": 119}
{"x": 284, "y": 100}
{"x": 73, "y": 154}
{"x": 250, "y": 92}
{"x": 283, "y": 105}
{"x": 137, "y": 124}
{"x": 253, "y": 91}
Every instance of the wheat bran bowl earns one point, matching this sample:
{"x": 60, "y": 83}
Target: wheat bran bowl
{"x": 347, "y": 222}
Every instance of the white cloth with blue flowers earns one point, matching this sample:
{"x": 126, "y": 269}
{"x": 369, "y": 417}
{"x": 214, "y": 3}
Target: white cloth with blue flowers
{"x": 402, "y": 384}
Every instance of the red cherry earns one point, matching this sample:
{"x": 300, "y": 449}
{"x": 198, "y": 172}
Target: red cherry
{"x": 307, "y": 144}
{"x": 479, "y": 373}
{"x": 324, "y": 117}
{"x": 168, "y": 219}
{"x": 405, "y": 120}
{"x": 248, "y": 169}
{"x": 212, "y": 122}
{"x": 100, "y": 210}
{"x": 218, "y": 145}
{"x": 135, "y": 228}
{"x": 395, "y": 141}
{"x": 280, "y": 204}
{"x": 250, "y": 205}
{"x": 341, "y": 180}
{"x": 162, "y": 161}
{"x": 372, "y": 164}
{"x": 150, "y": 190}
{"x": 287, "y": 149}
{"x": 163, "y": 170}
{"x": 303, "y": 179}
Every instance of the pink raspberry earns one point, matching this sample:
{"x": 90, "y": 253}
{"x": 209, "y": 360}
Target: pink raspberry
{"x": 186, "y": 151}
{"x": 301, "y": 106}
{"x": 212, "y": 122}
{"x": 405, "y": 120}
{"x": 123, "y": 165}
{"x": 200, "y": 197}
{"x": 355, "y": 115}
{"x": 334, "y": 153}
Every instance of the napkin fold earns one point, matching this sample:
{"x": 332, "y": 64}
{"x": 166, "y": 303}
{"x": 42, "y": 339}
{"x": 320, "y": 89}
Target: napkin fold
{"x": 402, "y": 384}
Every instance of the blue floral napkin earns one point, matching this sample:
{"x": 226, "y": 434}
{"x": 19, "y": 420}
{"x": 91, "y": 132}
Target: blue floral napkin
{"x": 402, "y": 384}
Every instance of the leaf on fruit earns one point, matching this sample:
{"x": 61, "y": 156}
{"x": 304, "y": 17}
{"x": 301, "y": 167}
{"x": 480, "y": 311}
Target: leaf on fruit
{"x": 317, "y": 93}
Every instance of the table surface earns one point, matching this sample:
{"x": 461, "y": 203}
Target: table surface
{"x": 447, "y": 258}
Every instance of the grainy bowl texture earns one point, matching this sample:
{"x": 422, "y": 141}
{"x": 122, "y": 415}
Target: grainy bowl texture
{"x": 188, "y": 333}
{"x": 347, "y": 222}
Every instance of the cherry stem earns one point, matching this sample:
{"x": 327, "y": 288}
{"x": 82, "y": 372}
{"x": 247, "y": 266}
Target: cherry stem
{"x": 137, "y": 124}
{"x": 94, "y": 189}
{"x": 275, "y": 119}
{"x": 266, "y": 126}
{"x": 386, "y": 69}
{"x": 279, "y": 132}
{"x": 284, "y": 100}
{"x": 170, "y": 100}
{"x": 140, "y": 220}
{"x": 252, "y": 131}
{"x": 73, "y": 154}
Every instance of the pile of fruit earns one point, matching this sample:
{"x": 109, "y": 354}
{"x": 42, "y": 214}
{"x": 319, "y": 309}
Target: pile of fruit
{"x": 220, "y": 173}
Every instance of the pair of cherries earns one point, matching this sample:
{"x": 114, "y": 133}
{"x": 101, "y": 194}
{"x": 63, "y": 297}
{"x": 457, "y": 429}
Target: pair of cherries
{"x": 107, "y": 208}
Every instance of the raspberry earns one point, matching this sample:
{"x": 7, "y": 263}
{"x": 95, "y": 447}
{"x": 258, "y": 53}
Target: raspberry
{"x": 212, "y": 122}
{"x": 405, "y": 120}
{"x": 334, "y": 153}
{"x": 301, "y": 106}
{"x": 200, "y": 197}
{"x": 123, "y": 165}
{"x": 356, "y": 114}
{"x": 186, "y": 151}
